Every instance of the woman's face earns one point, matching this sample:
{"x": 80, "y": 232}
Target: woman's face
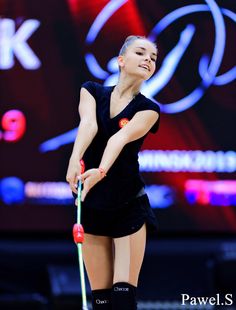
{"x": 139, "y": 59}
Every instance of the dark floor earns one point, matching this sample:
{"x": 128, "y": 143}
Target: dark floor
{"x": 43, "y": 273}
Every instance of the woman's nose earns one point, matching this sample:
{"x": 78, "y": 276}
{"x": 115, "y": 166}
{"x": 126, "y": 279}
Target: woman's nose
{"x": 148, "y": 59}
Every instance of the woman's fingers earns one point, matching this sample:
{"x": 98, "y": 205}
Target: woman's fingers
{"x": 83, "y": 195}
{"x": 89, "y": 179}
{"x": 73, "y": 170}
{"x": 72, "y": 183}
{"x": 83, "y": 176}
{"x": 73, "y": 187}
{"x": 87, "y": 185}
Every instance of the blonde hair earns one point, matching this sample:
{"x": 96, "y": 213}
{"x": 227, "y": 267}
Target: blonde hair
{"x": 130, "y": 39}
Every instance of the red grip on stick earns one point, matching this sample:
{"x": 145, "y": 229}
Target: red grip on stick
{"x": 78, "y": 233}
{"x": 82, "y": 166}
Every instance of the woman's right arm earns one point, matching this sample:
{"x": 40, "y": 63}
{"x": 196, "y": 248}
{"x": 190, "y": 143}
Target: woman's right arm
{"x": 86, "y": 132}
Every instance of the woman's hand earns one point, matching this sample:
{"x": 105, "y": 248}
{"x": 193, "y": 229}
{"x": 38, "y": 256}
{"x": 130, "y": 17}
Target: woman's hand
{"x": 90, "y": 178}
{"x": 73, "y": 171}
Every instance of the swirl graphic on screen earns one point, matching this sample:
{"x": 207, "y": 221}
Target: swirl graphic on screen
{"x": 208, "y": 66}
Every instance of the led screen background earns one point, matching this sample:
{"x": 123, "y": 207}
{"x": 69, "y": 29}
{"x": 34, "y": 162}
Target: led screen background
{"x": 47, "y": 50}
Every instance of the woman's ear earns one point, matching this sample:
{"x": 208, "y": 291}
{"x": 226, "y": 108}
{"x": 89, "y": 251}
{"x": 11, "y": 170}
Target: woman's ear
{"x": 120, "y": 60}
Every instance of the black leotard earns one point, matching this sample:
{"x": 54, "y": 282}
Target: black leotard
{"x": 123, "y": 180}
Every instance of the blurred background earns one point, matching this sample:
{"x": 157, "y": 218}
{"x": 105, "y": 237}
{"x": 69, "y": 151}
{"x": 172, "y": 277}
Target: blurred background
{"x": 47, "y": 50}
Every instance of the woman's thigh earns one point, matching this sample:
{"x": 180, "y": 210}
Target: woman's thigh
{"x": 129, "y": 253}
{"x": 98, "y": 259}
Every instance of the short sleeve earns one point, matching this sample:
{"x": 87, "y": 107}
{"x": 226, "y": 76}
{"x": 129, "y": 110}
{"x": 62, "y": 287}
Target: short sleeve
{"x": 148, "y": 104}
{"x": 90, "y": 87}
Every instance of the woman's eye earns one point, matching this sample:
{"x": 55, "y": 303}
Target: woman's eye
{"x": 139, "y": 53}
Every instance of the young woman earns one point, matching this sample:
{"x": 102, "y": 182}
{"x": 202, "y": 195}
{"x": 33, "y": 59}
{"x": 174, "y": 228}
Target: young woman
{"x": 116, "y": 213}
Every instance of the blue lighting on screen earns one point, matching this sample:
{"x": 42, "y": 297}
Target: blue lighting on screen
{"x": 12, "y": 190}
{"x": 220, "y": 193}
{"x": 95, "y": 68}
{"x": 228, "y": 76}
{"x": 209, "y": 73}
{"x": 55, "y": 143}
{"x": 102, "y": 18}
{"x": 160, "y": 196}
{"x": 187, "y": 161}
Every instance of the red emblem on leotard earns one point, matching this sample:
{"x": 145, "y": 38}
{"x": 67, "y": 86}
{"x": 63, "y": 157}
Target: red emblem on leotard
{"x": 123, "y": 122}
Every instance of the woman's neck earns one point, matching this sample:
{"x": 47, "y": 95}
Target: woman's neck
{"x": 128, "y": 87}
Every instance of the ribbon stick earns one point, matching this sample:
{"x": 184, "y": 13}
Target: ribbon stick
{"x": 78, "y": 234}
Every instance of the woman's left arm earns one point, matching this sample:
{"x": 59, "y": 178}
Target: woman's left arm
{"x": 136, "y": 128}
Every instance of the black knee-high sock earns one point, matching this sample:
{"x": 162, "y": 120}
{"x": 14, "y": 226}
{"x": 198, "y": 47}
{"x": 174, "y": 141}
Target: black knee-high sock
{"x": 123, "y": 296}
{"x": 101, "y": 299}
